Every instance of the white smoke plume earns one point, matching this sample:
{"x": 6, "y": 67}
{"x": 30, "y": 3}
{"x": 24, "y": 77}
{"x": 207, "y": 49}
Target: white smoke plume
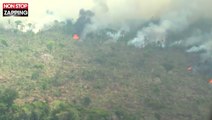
{"x": 172, "y": 16}
{"x": 196, "y": 48}
{"x": 179, "y": 18}
{"x": 151, "y": 34}
{"x": 200, "y": 42}
{"x": 118, "y": 35}
{"x": 156, "y": 33}
{"x": 107, "y": 12}
{"x": 115, "y": 13}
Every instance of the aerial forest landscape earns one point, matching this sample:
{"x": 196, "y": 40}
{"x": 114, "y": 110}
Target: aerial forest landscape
{"x": 114, "y": 68}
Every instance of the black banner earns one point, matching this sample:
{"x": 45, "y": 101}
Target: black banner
{"x": 15, "y": 12}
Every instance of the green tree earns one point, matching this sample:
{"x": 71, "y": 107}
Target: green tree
{"x": 63, "y": 111}
{"x": 86, "y": 101}
{"x": 98, "y": 114}
{"x": 50, "y": 45}
{"x": 8, "y": 96}
{"x": 35, "y": 75}
{"x": 4, "y": 42}
{"x": 18, "y": 22}
{"x": 33, "y": 111}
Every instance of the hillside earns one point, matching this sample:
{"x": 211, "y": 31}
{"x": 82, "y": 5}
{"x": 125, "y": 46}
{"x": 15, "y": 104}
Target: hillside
{"x": 97, "y": 80}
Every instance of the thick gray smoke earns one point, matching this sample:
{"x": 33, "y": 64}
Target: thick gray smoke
{"x": 84, "y": 19}
{"x": 173, "y": 17}
{"x": 177, "y": 21}
{"x": 157, "y": 33}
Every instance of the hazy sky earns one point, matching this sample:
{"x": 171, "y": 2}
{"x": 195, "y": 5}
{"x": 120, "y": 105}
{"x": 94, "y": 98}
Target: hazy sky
{"x": 114, "y": 12}
{"x": 110, "y": 11}
{"x": 62, "y": 10}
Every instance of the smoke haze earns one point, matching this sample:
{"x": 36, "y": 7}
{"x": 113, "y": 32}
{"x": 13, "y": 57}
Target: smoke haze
{"x": 173, "y": 17}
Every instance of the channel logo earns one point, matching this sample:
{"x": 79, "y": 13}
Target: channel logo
{"x": 15, "y": 9}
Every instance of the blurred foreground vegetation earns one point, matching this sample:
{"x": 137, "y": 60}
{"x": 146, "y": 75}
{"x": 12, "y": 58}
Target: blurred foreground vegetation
{"x": 58, "y": 110}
